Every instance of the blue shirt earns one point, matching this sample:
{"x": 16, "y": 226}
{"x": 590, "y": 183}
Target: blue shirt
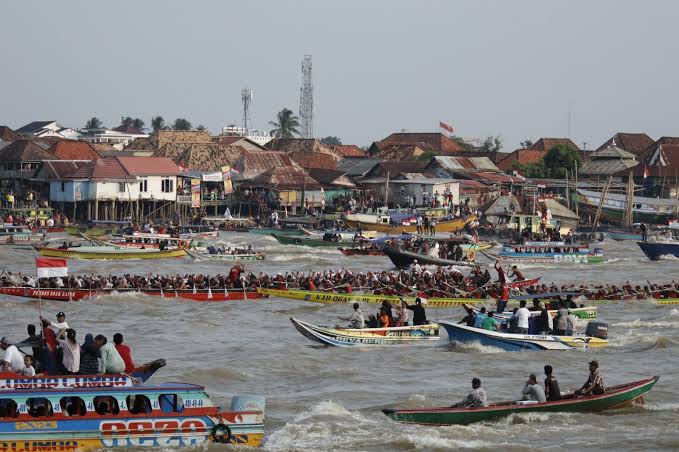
{"x": 478, "y": 321}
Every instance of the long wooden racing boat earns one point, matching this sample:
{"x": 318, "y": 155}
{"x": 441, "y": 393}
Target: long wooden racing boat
{"x": 80, "y": 294}
{"x": 225, "y": 257}
{"x": 365, "y": 337}
{"x": 613, "y": 398}
{"x": 109, "y": 252}
{"x": 269, "y": 231}
{"x": 292, "y": 240}
{"x": 334, "y": 297}
{"x": 94, "y": 412}
{"x": 513, "y": 342}
{"x": 404, "y": 259}
{"x": 381, "y": 223}
{"x": 361, "y": 251}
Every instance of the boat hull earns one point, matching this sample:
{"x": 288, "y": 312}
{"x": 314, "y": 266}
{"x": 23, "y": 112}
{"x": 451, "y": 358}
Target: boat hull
{"x": 333, "y": 297}
{"x": 615, "y": 397}
{"x": 226, "y": 257}
{"x": 621, "y": 235}
{"x": 80, "y": 294}
{"x": 368, "y": 336}
{"x": 317, "y": 243}
{"x": 654, "y": 251}
{"x": 269, "y": 231}
{"x": 441, "y": 226}
{"x": 90, "y": 232}
{"x": 518, "y": 342}
{"x": 360, "y": 252}
{"x": 404, "y": 259}
{"x": 117, "y": 255}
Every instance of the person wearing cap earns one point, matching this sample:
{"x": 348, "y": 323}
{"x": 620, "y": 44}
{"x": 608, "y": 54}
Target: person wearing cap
{"x": 71, "y": 351}
{"x": 60, "y": 324}
{"x": 595, "y": 383}
{"x": 13, "y": 361}
{"x": 477, "y": 398}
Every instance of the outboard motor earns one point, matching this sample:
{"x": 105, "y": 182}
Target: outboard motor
{"x": 597, "y": 329}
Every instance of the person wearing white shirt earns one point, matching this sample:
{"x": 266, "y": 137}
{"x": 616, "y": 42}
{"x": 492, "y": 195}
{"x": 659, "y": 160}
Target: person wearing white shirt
{"x": 13, "y": 361}
{"x": 523, "y": 314}
{"x": 60, "y": 324}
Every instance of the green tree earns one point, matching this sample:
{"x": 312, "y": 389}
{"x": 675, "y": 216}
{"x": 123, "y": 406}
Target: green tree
{"x": 537, "y": 169}
{"x": 492, "y": 144}
{"x": 286, "y": 126}
{"x": 158, "y": 123}
{"x": 465, "y": 146}
{"x": 182, "y": 124}
{"x": 201, "y": 127}
{"x": 94, "y": 123}
{"x": 560, "y": 159}
{"x": 525, "y": 144}
{"x": 138, "y": 124}
{"x": 331, "y": 141}
{"x": 126, "y": 121}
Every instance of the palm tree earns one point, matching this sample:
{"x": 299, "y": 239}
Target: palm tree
{"x": 94, "y": 123}
{"x": 182, "y": 124}
{"x": 126, "y": 121}
{"x": 158, "y": 123}
{"x": 287, "y": 125}
{"x": 138, "y": 124}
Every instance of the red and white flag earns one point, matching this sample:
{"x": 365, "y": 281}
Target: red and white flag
{"x": 646, "y": 171}
{"x": 49, "y": 268}
{"x": 446, "y": 127}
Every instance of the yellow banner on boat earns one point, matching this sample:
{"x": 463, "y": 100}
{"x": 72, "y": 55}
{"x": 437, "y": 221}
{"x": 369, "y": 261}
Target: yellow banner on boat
{"x": 332, "y": 297}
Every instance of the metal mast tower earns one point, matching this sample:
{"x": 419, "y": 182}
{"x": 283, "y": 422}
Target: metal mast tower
{"x": 246, "y": 97}
{"x": 306, "y": 99}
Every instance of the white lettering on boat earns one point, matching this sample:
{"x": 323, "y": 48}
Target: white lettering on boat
{"x": 65, "y": 382}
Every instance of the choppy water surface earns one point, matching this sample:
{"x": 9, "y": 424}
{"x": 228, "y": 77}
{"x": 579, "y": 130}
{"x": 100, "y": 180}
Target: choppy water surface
{"x": 330, "y": 398}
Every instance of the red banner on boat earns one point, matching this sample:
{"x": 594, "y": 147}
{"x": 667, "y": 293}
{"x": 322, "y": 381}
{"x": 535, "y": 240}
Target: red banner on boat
{"x": 49, "y": 268}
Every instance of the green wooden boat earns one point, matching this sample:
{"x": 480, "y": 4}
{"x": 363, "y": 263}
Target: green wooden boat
{"x": 614, "y": 397}
{"x": 267, "y": 231}
{"x": 291, "y": 240}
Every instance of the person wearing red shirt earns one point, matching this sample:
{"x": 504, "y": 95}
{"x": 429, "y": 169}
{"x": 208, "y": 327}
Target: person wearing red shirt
{"x": 124, "y": 352}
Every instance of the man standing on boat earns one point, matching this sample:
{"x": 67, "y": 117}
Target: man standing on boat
{"x": 522, "y": 315}
{"x": 356, "y": 319}
{"x": 60, "y": 324}
{"x": 595, "y": 383}
{"x": 552, "y": 391}
{"x": 13, "y": 360}
{"x": 419, "y": 315}
{"x": 475, "y": 399}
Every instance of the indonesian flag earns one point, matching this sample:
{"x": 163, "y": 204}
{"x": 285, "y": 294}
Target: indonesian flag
{"x": 49, "y": 268}
{"x": 446, "y": 127}
{"x": 646, "y": 171}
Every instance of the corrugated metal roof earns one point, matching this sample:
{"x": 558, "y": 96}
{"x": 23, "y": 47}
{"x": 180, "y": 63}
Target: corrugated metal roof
{"x": 24, "y": 151}
{"x": 356, "y": 166}
{"x": 289, "y": 178}
{"x": 253, "y": 163}
{"x": 465, "y": 163}
{"x": 606, "y": 167}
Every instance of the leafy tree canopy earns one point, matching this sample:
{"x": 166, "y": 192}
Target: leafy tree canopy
{"x": 560, "y": 159}
{"x": 182, "y": 124}
{"x": 94, "y": 123}
{"x": 492, "y": 144}
{"x": 331, "y": 141}
{"x": 286, "y": 124}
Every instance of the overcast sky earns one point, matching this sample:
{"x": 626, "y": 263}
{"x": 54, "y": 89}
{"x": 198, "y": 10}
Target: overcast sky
{"x": 487, "y": 67}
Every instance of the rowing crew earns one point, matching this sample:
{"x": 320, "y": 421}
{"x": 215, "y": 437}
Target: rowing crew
{"x": 534, "y": 393}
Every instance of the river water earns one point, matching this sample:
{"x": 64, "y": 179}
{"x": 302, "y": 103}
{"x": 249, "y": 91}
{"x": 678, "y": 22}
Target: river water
{"x": 331, "y": 398}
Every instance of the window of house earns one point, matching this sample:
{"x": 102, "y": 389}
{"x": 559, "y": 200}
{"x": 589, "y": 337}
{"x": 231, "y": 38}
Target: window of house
{"x": 72, "y": 406}
{"x": 167, "y": 185}
{"x": 144, "y": 185}
{"x": 63, "y": 186}
{"x": 8, "y": 409}
{"x": 138, "y": 404}
{"x": 121, "y": 187}
{"x": 171, "y": 403}
{"x": 104, "y": 405}
{"x": 39, "y": 407}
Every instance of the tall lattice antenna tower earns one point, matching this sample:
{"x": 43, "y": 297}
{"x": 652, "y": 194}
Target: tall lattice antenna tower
{"x": 306, "y": 99}
{"x": 246, "y": 97}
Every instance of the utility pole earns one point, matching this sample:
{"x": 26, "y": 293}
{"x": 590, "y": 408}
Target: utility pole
{"x": 306, "y": 99}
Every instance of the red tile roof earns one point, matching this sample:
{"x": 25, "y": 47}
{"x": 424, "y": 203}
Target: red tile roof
{"x": 73, "y": 150}
{"x": 636, "y": 143}
{"x": 348, "y": 150}
{"x": 523, "y": 156}
{"x": 101, "y": 170}
{"x": 403, "y": 151}
{"x": 7, "y": 134}
{"x": 24, "y": 151}
{"x": 313, "y": 160}
{"x": 545, "y": 144}
{"x": 150, "y": 166}
{"x": 438, "y": 141}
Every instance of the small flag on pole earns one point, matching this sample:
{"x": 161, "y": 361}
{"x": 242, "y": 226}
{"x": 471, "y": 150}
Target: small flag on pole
{"x": 446, "y": 127}
{"x": 50, "y": 268}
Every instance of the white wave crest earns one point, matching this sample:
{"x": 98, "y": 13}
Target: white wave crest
{"x": 669, "y": 406}
{"x": 433, "y": 439}
{"x": 476, "y": 347}
{"x": 638, "y": 323}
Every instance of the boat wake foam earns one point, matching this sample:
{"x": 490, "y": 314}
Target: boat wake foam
{"x": 474, "y": 347}
{"x": 669, "y": 406}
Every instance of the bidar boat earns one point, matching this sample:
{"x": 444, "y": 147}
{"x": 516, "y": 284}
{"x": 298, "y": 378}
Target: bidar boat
{"x": 200, "y": 255}
{"x": 109, "y": 252}
{"x": 404, "y": 259}
{"x": 550, "y": 252}
{"x": 613, "y": 398}
{"x": 334, "y": 297}
{"x": 269, "y": 231}
{"x": 383, "y": 223}
{"x": 80, "y": 294}
{"x": 293, "y": 240}
{"x": 81, "y": 413}
{"x": 347, "y": 337}
{"x": 512, "y": 342}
